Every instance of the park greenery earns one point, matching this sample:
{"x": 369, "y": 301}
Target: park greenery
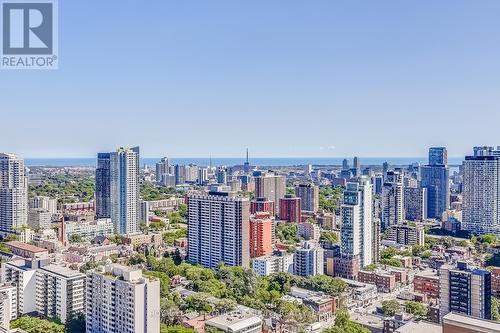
{"x": 391, "y": 307}
{"x": 235, "y": 285}
{"x": 66, "y": 188}
{"x": 329, "y": 197}
{"x": 287, "y": 233}
{"x": 169, "y": 237}
{"x": 391, "y": 262}
{"x": 149, "y": 192}
{"x": 175, "y": 329}
{"x": 37, "y": 325}
{"x": 344, "y": 324}
{"x": 419, "y": 310}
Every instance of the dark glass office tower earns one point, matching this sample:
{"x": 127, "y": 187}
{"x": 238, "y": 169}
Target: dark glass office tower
{"x": 103, "y": 186}
{"x": 436, "y": 179}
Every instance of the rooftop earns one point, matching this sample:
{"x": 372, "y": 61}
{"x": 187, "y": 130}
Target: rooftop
{"x": 421, "y": 326}
{"x": 63, "y": 271}
{"x": 25, "y": 246}
{"x": 428, "y": 273}
{"x": 472, "y": 323}
{"x": 234, "y": 321}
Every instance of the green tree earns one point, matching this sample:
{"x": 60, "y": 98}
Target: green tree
{"x": 37, "y": 325}
{"x": 294, "y": 314}
{"x": 495, "y": 308}
{"x": 165, "y": 265}
{"x": 287, "y": 233}
{"x": 391, "y": 307}
{"x": 170, "y": 237}
{"x": 11, "y": 237}
{"x": 388, "y": 253}
{"x": 164, "y": 281}
{"x": 183, "y": 210}
{"x": 75, "y": 238}
{"x": 169, "y": 312}
{"x": 212, "y": 329}
{"x": 175, "y": 329}
{"x": 329, "y": 198}
{"x": 213, "y": 287}
{"x": 75, "y": 323}
{"x": 417, "y": 309}
{"x": 198, "y": 303}
{"x": 391, "y": 262}
{"x": 325, "y": 283}
{"x": 329, "y": 237}
{"x": 417, "y": 250}
{"x": 143, "y": 227}
{"x": 489, "y": 239}
{"x": 225, "y": 305}
{"x": 371, "y": 267}
{"x": 426, "y": 254}
{"x": 343, "y": 324}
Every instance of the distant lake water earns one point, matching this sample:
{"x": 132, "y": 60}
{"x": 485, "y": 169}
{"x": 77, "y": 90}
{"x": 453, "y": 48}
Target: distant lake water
{"x": 258, "y": 161}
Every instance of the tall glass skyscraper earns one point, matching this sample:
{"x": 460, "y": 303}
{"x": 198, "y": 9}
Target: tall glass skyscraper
{"x": 124, "y": 184}
{"x": 103, "y": 186}
{"x": 13, "y": 193}
{"x": 356, "y": 233}
{"x": 435, "y": 177}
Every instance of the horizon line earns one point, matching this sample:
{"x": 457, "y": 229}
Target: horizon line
{"x": 240, "y": 157}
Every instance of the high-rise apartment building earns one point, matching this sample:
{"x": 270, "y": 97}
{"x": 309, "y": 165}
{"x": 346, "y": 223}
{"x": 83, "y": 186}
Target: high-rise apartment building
{"x": 202, "y": 176}
{"x": 270, "y": 186}
{"x": 60, "y": 292}
{"x": 290, "y": 209}
{"x": 103, "y": 186}
{"x": 162, "y": 168}
{"x": 120, "y": 299}
{"x": 45, "y": 203}
{"x": 124, "y": 173}
{"x": 276, "y": 263}
{"x": 262, "y": 205}
{"x": 13, "y": 193}
{"x": 8, "y": 306}
{"x": 309, "y": 197}
{"x": 392, "y": 200}
{"x": 309, "y": 259}
{"x": 465, "y": 290}
{"x": 356, "y": 232}
{"x": 406, "y": 234}
{"x": 345, "y": 164}
{"x": 180, "y": 174}
{"x": 378, "y": 183}
{"x": 481, "y": 192}
{"x": 435, "y": 178}
{"x": 22, "y": 274}
{"x": 415, "y": 199}
{"x": 191, "y": 173}
{"x": 221, "y": 175}
{"x": 261, "y": 234}
{"x": 218, "y": 229}
{"x": 39, "y": 219}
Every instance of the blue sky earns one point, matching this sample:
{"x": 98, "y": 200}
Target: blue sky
{"x": 284, "y": 78}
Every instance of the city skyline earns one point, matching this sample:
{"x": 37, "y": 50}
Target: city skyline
{"x": 249, "y": 166}
{"x": 137, "y": 76}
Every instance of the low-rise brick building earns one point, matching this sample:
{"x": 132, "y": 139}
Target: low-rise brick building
{"x": 427, "y": 282}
